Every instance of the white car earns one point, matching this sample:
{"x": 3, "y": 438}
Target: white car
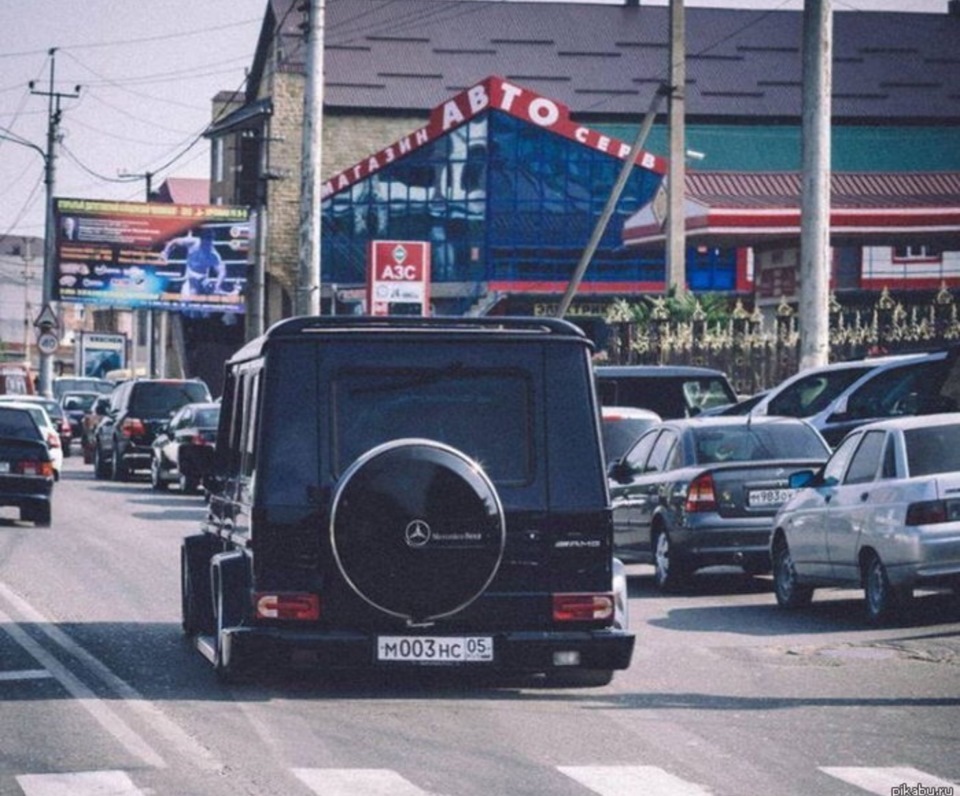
{"x": 50, "y": 432}
{"x": 882, "y": 513}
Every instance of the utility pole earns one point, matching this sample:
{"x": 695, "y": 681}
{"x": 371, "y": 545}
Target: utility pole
{"x": 53, "y": 138}
{"x": 676, "y": 276}
{"x": 815, "y": 198}
{"x": 308, "y": 278}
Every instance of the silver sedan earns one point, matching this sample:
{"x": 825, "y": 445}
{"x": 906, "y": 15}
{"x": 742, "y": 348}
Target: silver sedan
{"x": 883, "y": 513}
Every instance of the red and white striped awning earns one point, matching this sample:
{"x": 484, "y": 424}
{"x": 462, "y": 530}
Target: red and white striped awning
{"x": 750, "y": 209}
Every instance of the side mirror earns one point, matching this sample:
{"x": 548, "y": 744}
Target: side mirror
{"x": 619, "y": 471}
{"x": 801, "y": 479}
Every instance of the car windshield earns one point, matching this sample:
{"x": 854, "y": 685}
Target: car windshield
{"x": 156, "y": 399}
{"x": 82, "y": 402}
{"x": 758, "y": 442}
{"x": 619, "y": 433}
{"x": 207, "y": 418}
{"x": 17, "y": 424}
{"x": 933, "y": 449}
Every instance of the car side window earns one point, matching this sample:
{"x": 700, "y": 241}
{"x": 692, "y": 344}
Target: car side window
{"x": 837, "y": 463}
{"x": 897, "y": 391}
{"x": 661, "y": 458}
{"x": 866, "y": 460}
{"x": 637, "y": 456}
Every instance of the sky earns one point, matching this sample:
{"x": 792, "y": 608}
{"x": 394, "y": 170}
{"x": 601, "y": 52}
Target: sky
{"x": 147, "y": 73}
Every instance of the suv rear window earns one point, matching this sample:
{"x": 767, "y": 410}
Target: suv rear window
{"x": 484, "y": 413}
{"x": 157, "y": 399}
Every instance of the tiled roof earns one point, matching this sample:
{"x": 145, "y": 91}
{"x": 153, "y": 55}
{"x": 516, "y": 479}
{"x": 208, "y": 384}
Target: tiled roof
{"x": 606, "y": 60}
{"x": 185, "y": 191}
{"x": 861, "y": 190}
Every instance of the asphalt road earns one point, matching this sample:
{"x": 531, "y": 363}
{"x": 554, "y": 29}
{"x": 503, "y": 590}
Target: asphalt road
{"x": 727, "y": 695}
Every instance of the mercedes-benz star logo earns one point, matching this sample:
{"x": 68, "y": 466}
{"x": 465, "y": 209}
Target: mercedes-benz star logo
{"x": 417, "y": 533}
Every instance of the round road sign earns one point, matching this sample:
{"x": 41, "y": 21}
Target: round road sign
{"x": 47, "y": 343}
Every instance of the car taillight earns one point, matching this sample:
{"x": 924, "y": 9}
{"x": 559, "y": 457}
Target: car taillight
{"x": 53, "y": 440}
{"x": 287, "y": 605}
{"x": 701, "y": 495}
{"x": 132, "y": 427}
{"x": 582, "y": 607}
{"x": 65, "y": 427}
{"x": 30, "y": 467}
{"x": 931, "y": 512}
{"x": 199, "y": 439}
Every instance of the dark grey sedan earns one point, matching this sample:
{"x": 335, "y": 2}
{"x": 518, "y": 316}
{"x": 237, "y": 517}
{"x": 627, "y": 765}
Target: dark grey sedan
{"x": 703, "y": 492}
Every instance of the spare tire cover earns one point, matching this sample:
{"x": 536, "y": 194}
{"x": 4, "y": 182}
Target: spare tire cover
{"x": 417, "y": 529}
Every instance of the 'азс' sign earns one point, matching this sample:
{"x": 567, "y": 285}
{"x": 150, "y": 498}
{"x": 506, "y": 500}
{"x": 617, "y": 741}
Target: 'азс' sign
{"x": 398, "y": 277}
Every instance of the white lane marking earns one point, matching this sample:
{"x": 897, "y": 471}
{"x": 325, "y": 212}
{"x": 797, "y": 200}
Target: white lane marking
{"x": 26, "y": 674}
{"x": 132, "y": 699}
{"x": 631, "y": 780}
{"x": 80, "y": 783}
{"x": 884, "y": 781}
{"x": 98, "y": 709}
{"x": 353, "y": 781}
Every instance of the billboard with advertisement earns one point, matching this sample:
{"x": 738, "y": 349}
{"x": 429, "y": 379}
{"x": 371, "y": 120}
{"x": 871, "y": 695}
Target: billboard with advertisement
{"x": 101, "y": 352}
{"x": 147, "y": 255}
{"x": 398, "y": 277}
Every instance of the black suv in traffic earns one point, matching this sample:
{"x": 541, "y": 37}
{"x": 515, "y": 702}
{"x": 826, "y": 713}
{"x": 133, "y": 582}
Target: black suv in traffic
{"x": 129, "y": 424}
{"x": 399, "y": 493}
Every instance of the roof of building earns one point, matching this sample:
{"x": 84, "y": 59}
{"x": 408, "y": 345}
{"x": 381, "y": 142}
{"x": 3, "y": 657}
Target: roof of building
{"x": 184, "y": 191}
{"x": 607, "y": 60}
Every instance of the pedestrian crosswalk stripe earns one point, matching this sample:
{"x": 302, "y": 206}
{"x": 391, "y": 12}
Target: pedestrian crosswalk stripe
{"x": 26, "y": 674}
{"x": 352, "y": 781}
{"x": 79, "y": 783}
{"x": 631, "y": 780}
{"x": 885, "y": 781}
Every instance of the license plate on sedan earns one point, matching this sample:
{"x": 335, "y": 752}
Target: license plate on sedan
{"x": 435, "y": 649}
{"x": 4, "y": 467}
{"x": 769, "y": 497}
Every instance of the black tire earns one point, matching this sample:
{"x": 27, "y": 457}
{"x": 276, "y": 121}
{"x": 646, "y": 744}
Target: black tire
{"x": 671, "y": 573}
{"x": 883, "y": 601}
{"x": 156, "y": 481}
{"x": 417, "y": 529}
{"x": 39, "y": 514}
{"x": 118, "y": 467}
{"x": 101, "y": 469}
{"x": 786, "y": 588}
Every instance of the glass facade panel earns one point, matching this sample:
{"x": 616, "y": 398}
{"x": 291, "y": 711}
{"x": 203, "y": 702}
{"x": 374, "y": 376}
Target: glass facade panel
{"x": 499, "y": 199}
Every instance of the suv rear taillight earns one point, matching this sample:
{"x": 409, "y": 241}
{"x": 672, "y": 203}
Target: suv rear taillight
{"x": 932, "y": 512}
{"x": 580, "y": 607}
{"x": 299, "y": 606}
{"x": 132, "y": 427}
{"x": 30, "y": 467}
{"x": 701, "y": 495}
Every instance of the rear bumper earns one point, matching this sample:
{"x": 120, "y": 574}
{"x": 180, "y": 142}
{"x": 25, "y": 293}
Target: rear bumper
{"x": 742, "y": 542}
{"x": 514, "y": 652}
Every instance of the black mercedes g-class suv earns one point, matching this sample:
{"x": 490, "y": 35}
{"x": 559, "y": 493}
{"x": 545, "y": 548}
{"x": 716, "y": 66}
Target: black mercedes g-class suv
{"x": 405, "y": 492}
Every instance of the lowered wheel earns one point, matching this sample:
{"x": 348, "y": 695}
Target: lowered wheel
{"x": 788, "y": 591}
{"x": 883, "y": 601}
{"x": 417, "y": 529}
{"x": 101, "y": 467}
{"x": 156, "y": 481}
{"x": 671, "y": 573}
